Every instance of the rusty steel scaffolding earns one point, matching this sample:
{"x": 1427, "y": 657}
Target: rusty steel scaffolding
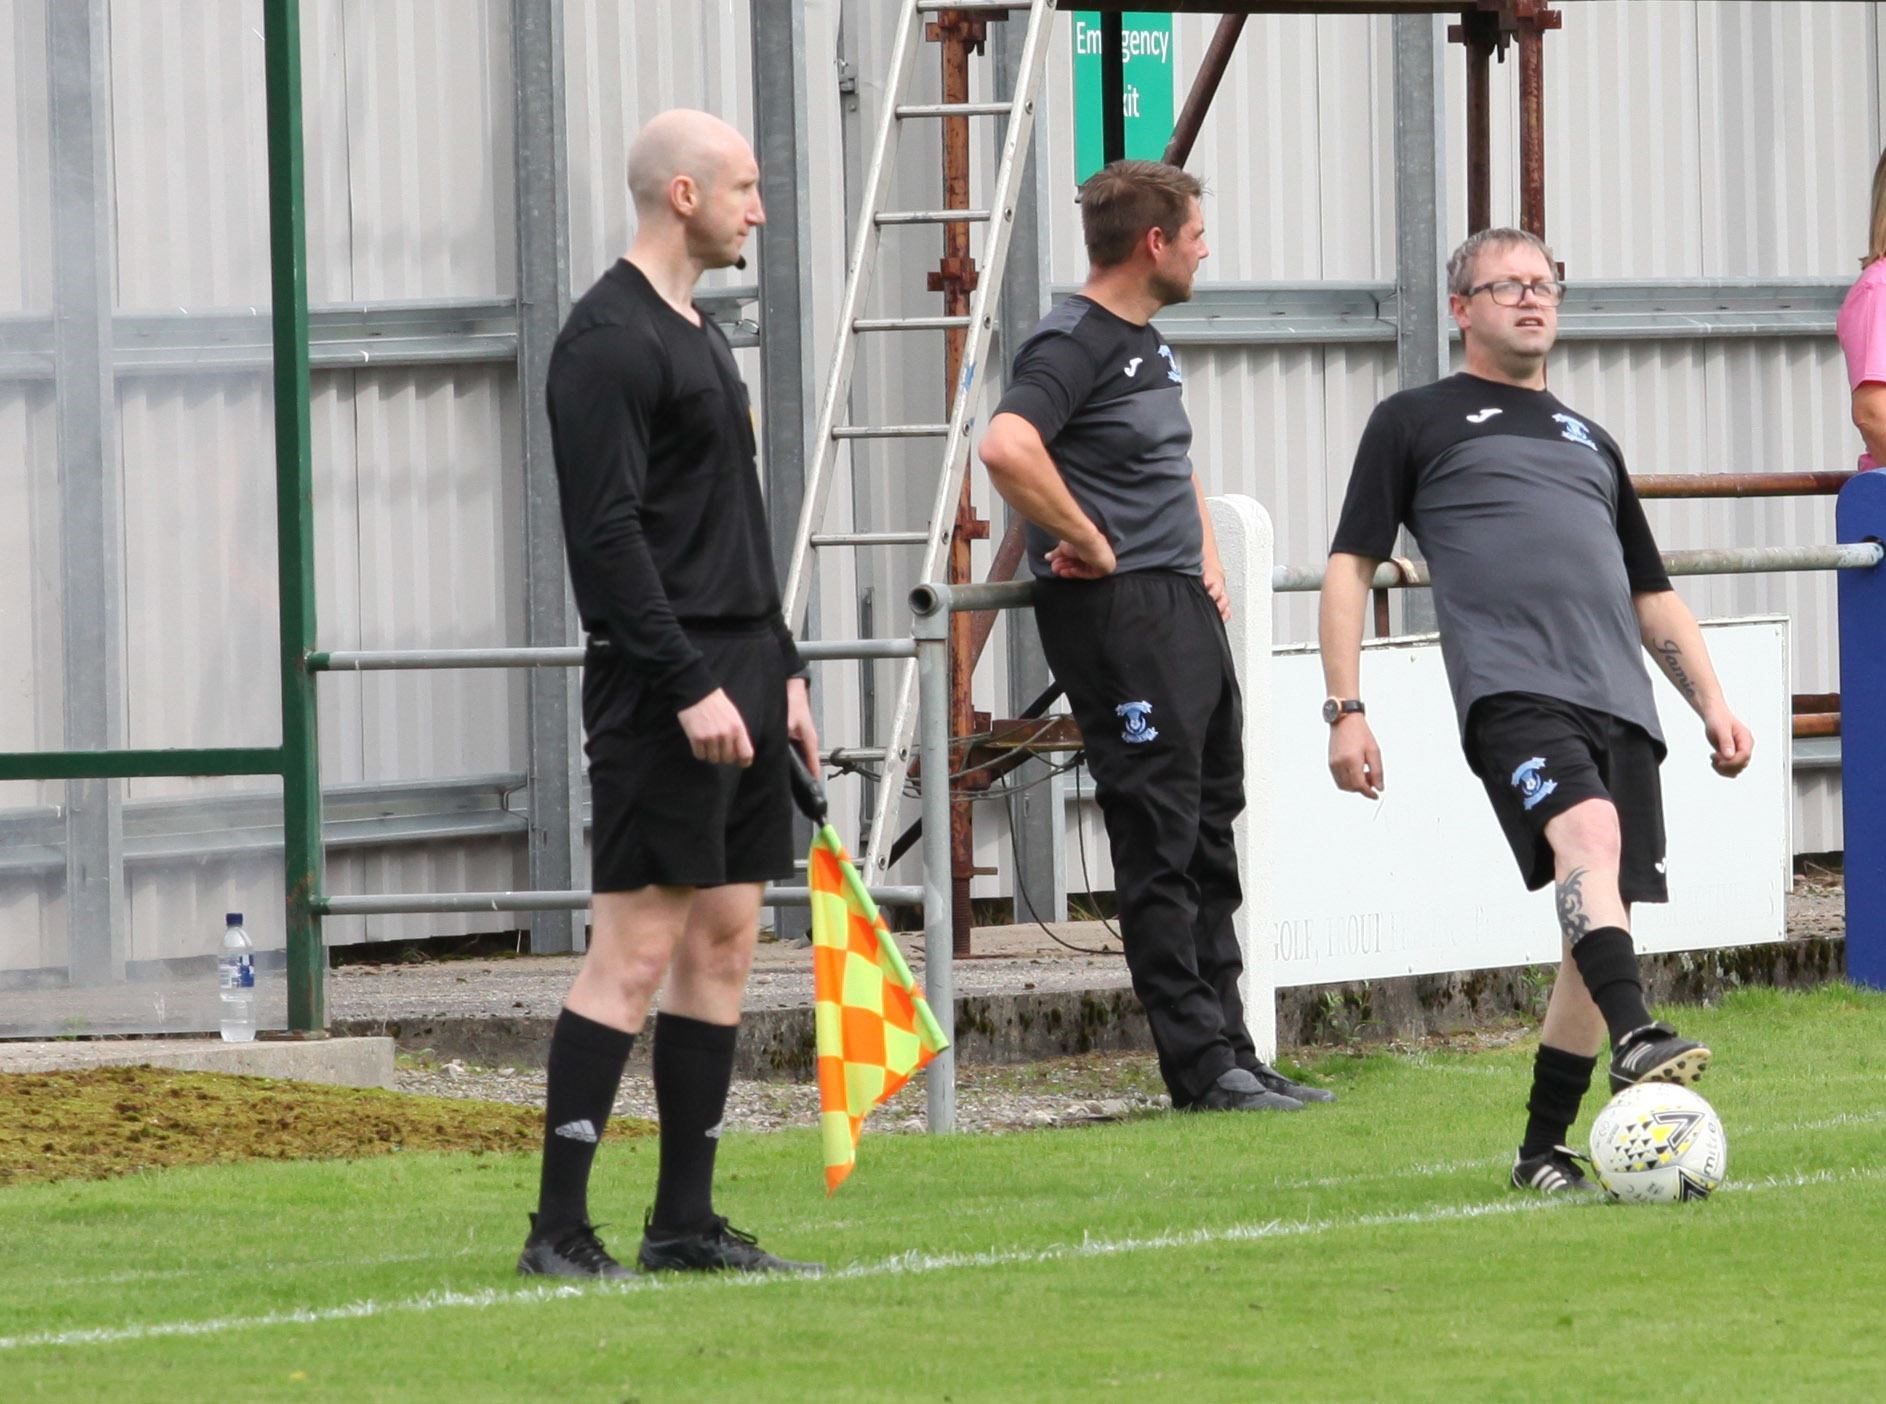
{"x": 985, "y": 748}
{"x": 1486, "y": 28}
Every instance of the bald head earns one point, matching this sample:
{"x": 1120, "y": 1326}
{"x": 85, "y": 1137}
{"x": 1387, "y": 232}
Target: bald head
{"x": 681, "y": 142}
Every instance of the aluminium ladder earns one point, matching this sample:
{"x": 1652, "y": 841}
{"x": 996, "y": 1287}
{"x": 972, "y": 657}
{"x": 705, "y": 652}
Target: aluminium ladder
{"x": 934, "y": 535}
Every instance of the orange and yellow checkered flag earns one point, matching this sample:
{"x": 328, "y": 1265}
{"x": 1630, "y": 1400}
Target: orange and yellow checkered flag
{"x": 875, "y": 1029}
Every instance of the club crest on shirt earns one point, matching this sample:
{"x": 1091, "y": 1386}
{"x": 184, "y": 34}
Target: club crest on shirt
{"x": 1139, "y": 727}
{"x": 1172, "y": 366}
{"x": 1531, "y": 783}
{"x": 1576, "y": 431}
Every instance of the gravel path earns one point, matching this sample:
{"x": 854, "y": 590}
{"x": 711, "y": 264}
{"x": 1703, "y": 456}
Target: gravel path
{"x": 1008, "y": 959}
{"x": 1067, "y": 1092}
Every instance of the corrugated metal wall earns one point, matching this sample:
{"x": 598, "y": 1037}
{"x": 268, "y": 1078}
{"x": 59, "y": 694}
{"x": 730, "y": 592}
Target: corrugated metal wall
{"x": 1751, "y": 129}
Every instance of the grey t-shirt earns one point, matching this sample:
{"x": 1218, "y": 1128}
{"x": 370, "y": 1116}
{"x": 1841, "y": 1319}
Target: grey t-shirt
{"x": 1532, "y": 533}
{"x": 1105, "y": 394}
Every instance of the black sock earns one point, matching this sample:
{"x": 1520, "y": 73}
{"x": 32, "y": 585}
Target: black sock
{"x": 1607, "y": 961}
{"x": 585, "y": 1069}
{"x": 1559, "y": 1082}
{"x": 693, "y": 1063}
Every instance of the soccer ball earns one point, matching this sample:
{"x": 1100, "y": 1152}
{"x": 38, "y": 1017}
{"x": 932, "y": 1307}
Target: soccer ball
{"x": 1657, "y": 1143}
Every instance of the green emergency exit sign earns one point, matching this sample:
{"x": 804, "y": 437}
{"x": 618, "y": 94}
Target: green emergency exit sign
{"x": 1147, "y": 68}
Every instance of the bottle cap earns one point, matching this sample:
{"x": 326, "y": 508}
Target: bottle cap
{"x": 232, "y": 918}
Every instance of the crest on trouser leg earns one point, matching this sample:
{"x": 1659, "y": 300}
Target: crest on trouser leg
{"x": 1139, "y": 727}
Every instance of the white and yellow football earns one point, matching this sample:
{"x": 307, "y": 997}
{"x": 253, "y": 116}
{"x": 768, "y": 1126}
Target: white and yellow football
{"x": 1657, "y": 1143}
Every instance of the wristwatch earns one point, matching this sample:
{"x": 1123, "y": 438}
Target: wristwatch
{"x": 1336, "y": 708}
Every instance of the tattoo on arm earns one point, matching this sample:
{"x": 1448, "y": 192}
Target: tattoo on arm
{"x": 1670, "y": 655}
{"x": 1573, "y": 920}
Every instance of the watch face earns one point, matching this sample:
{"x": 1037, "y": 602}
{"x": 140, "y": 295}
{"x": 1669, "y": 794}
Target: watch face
{"x": 1331, "y": 710}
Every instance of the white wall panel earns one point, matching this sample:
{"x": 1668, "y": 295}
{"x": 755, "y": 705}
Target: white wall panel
{"x": 1817, "y": 814}
{"x": 199, "y": 566}
{"x": 189, "y": 154}
{"x": 32, "y": 904}
{"x": 1619, "y": 78}
{"x": 1750, "y": 131}
{"x": 25, "y": 212}
{"x": 1790, "y": 133}
{"x": 31, "y": 697}
{"x": 428, "y": 103}
{"x": 440, "y": 567}
{"x": 624, "y": 62}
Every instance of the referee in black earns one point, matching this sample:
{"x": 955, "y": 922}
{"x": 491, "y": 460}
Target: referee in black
{"x": 1091, "y": 444}
{"x": 692, "y": 694}
{"x": 1549, "y": 590}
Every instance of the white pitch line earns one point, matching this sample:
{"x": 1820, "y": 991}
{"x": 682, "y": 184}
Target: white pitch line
{"x": 902, "y": 1265}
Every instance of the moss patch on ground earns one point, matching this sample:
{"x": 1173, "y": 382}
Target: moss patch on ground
{"x": 103, "y": 1122}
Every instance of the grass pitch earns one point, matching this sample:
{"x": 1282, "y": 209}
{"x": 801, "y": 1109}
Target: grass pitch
{"x": 1363, "y": 1251}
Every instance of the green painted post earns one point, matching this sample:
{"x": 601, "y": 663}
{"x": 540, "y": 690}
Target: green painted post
{"x": 294, "y": 517}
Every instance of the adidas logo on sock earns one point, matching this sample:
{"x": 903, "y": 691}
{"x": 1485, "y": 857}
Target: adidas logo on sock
{"x": 584, "y": 1130}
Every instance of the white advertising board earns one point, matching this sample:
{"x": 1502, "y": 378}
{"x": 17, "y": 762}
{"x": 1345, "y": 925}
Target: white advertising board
{"x": 1422, "y": 880}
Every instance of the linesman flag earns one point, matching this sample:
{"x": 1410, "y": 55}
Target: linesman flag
{"x": 874, "y": 1028}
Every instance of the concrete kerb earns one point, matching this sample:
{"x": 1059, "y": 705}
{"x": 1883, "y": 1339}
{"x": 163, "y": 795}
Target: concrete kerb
{"x": 354, "y": 1061}
{"x": 1009, "y": 1028}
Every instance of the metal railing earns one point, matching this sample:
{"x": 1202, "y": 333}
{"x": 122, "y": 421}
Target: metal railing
{"x": 566, "y": 899}
{"x": 1862, "y": 763}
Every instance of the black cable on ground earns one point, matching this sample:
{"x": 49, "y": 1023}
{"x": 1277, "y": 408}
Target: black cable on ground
{"x": 1022, "y": 892}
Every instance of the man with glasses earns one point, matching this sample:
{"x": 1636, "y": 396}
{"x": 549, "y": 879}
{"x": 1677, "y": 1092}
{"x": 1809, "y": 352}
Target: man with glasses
{"x": 1546, "y": 584}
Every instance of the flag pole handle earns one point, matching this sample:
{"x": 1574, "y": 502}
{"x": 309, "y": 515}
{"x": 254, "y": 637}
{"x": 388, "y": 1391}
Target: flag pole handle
{"x": 807, "y": 790}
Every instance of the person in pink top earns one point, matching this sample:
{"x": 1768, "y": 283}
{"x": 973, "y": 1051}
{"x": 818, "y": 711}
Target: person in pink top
{"x": 1862, "y": 329}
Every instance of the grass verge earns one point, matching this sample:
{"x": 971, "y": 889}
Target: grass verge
{"x": 1360, "y": 1251}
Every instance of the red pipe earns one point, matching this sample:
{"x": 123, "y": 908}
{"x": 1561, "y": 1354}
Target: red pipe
{"x": 1650, "y": 485}
{"x": 1211, "y": 71}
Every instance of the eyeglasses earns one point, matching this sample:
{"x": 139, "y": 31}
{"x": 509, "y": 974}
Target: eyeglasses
{"x": 1508, "y": 292}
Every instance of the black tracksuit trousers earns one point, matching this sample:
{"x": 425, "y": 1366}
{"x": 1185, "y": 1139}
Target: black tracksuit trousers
{"x": 1148, "y": 674}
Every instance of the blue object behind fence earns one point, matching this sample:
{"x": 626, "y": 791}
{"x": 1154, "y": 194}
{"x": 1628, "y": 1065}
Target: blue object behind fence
{"x": 1861, "y": 516}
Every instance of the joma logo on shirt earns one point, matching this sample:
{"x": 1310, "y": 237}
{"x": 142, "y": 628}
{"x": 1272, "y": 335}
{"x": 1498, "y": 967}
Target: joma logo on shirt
{"x": 1132, "y": 366}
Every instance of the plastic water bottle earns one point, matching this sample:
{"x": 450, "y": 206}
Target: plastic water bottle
{"x": 236, "y": 978}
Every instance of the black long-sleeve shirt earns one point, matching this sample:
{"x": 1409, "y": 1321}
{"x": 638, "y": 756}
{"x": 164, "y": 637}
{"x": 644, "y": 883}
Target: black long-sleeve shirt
{"x": 660, "y": 490}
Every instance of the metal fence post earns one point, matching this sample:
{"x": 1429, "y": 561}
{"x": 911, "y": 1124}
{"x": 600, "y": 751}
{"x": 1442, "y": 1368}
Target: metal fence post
{"x": 1421, "y": 349}
{"x": 294, "y": 518}
{"x": 1246, "y": 546}
{"x": 1860, "y": 515}
{"x": 91, "y": 490}
{"x": 554, "y": 717}
{"x": 788, "y": 407}
{"x": 933, "y": 736}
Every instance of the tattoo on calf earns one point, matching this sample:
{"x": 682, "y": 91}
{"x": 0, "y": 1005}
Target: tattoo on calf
{"x": 1573, "y": 920}
{"x": 1670, "y": 654}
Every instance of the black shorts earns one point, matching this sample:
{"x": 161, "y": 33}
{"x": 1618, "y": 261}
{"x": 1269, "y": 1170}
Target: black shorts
{"x": 660, "y": 815}
{"x": 1538, "y": 756}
